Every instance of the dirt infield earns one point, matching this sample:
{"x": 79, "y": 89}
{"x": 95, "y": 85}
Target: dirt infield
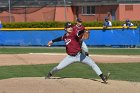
{"x": 47, "y": 58}
{"x": 63, "y": 85}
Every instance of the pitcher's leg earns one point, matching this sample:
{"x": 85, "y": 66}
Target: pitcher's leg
{"x": 94, "y": 66}
{"x": 84, "y": 48}
{"x": 87, "y": 60}
{"x": 65, "y": 62}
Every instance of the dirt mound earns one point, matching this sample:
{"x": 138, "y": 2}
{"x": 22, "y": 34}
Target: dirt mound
{"x": 66, "y": 85}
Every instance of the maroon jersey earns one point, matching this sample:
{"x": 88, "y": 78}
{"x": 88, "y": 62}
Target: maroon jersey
{"x": 72, "y": 42}
{"x": 79, "y": 28}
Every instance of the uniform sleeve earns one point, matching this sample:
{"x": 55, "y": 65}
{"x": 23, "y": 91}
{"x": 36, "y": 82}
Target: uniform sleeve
{"x": 57, "y": 39}
{"x": 64, "y": 36}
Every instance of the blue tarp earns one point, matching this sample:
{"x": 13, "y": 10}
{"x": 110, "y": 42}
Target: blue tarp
{"x": 97, "y": 37}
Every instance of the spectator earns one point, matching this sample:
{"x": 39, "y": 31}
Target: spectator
{"x": 0, "y": 25}
{"x": 107, "y": 23}
{"x": 128, "y": 24}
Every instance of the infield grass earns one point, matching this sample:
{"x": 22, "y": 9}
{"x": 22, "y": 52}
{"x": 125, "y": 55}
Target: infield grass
{"x": 102, "y": 51}
{"x": 119, "y": 71}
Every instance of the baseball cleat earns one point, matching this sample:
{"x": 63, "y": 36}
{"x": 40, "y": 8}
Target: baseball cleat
{"x": 48, "y": 76}
{"x": 106, "y": 77}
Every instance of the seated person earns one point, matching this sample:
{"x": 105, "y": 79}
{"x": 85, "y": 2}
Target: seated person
{"x": 0, "y": 25}
{"x": 107, "y": 23}
{"x": 128, "y": 24}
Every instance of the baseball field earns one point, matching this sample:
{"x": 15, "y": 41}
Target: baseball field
{"x": 22, "y": 70}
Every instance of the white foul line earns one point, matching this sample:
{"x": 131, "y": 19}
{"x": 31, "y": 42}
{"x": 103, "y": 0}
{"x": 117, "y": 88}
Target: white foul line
{"x": 120, "y": 56}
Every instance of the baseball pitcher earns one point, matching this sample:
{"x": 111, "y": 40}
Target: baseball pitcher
{"x": 73, "y": 49}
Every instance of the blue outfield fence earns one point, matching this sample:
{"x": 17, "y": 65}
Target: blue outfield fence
{"x": 99, "y": 37}
{"x": 115, "y": 37}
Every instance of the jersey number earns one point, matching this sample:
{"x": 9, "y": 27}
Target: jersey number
{"x": 67, "y": 41}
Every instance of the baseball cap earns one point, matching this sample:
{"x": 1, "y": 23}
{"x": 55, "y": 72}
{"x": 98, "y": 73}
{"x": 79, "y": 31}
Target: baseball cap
{"x": 127, "y": 20}
{"x": 68, "y": 24}
{"x": 78, "y": 20}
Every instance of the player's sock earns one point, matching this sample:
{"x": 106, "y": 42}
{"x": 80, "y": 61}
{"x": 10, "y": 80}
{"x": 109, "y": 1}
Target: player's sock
{"x": 54, "y": 70}
{"x": 103, "y": 77}
{"x": 86, "y": 53}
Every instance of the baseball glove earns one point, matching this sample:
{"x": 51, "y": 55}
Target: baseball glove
{"x": 86, "y": 35}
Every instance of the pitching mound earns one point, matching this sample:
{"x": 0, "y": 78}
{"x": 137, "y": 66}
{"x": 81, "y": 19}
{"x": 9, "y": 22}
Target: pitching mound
{"x": 66, "y": 85}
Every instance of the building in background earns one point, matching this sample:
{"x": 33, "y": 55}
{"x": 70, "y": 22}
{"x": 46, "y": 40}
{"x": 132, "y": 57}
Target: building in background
{"x": 68, "y": 10}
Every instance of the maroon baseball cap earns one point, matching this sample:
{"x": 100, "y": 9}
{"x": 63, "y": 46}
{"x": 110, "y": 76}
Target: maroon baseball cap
{"x": 78, "y": 20}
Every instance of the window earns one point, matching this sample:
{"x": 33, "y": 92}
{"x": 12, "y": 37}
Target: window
{"x": 88, "y": 10}
{"x": 129, "y": 7}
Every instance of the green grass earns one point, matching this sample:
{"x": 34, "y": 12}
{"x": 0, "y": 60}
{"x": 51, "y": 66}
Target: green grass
{"x": 119, "y": 71}
{"x": 119, "y": 51}
{"x": 14, "y": 50}
{"x": 105, "y": 51}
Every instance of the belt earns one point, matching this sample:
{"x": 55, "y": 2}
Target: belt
{"x": 74, "y": 54}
